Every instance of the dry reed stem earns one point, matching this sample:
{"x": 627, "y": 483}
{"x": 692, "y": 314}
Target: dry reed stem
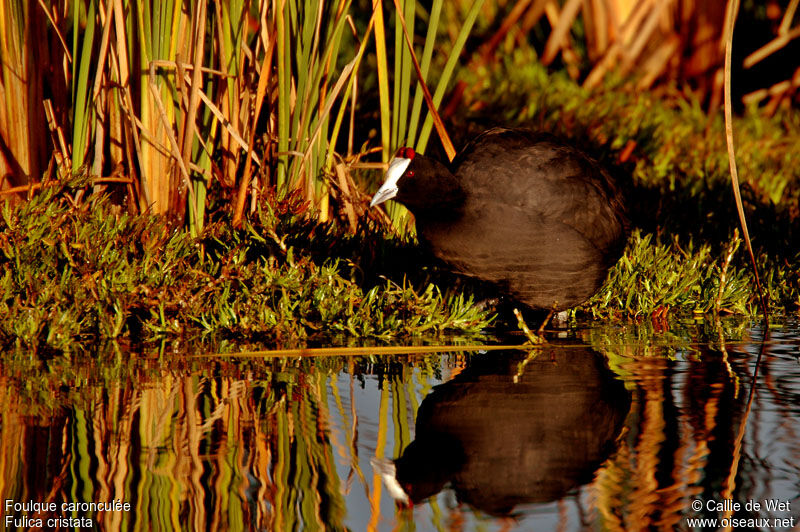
{"x": 559, "y": 34}
{"x": 732, "y": 11}
{"x": 229, "y": 127}
{"x": 22, "y": 124}
{"x": 597, "y": 21}
{"x": 177, "y": 63}
{"x": 788, "y": 16}
{"x": 532, "y": 16}
{"x": 630, "y": 25}
{"x": 554, "y": 16}
{"x": 623, "y": 33}
{"x": 261, "y": 91}
{"x": 189, "y": 125}
{"x": 643, "y": 36}
{"x": 54, "y": 27}
{"x": 771, "y": 47}
{"x": 104, "y": 42}
{"x": 657, "y": 62}
{"x": 100, "y": 96}
{"x": 341, "y": 174}
{"x": 488, "y": 49}
{"x": 60, "y": 148}
{"x": 21, "y": 188}
{"x": 176, "y": 151}
{"x": 120, "y": 67}
{"x": 777, "y": 90}
{"x": 343, "y": 77}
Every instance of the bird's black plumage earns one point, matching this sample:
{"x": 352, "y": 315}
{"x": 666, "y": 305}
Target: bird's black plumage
{"x": 519, "y": 209}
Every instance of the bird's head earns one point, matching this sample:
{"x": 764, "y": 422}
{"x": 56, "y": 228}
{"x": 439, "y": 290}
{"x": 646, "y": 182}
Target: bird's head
{"x": 399, "y": 167}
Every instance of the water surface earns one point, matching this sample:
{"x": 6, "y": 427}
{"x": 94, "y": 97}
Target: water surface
{"x": 604, "y": 428}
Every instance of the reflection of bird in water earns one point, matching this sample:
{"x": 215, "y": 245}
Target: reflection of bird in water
{"x": 500, "y": 444}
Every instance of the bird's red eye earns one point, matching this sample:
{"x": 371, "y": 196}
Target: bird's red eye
{"x": 409, "y": 173}
{"x": 405, "y": 153}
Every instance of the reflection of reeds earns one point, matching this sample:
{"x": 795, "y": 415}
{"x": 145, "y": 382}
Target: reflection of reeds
{"x": 660, "y": 466}
{"x": 223, "y": 452}
{"x": 12, "y": 442}
{"x": 273, "y": 445}
{"x": 181, "y": 444}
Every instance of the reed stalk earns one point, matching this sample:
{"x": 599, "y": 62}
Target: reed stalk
{"x": 23, "y": 127}
{"x": 251, "y": 94}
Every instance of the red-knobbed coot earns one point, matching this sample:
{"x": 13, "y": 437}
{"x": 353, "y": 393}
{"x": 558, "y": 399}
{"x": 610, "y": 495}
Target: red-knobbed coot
{"x": 523, "y": 210}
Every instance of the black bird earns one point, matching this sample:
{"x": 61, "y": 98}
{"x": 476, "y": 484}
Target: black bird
{"x": 538, "y": 218}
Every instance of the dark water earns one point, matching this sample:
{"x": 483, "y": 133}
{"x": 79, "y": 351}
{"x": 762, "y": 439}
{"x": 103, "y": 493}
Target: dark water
{"x": 604, "y": 429}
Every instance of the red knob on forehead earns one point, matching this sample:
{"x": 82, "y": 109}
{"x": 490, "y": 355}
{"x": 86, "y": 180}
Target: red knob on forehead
{"x": 405, "y": 153}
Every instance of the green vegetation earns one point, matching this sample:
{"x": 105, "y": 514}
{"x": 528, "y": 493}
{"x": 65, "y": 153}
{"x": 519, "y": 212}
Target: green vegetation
{"x": 73, "y": 273}
{"x": 180, "y": 170}
{"x": 651, "y": 278}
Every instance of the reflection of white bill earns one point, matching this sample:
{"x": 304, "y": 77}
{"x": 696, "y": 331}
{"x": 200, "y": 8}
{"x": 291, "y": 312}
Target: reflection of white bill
{"x": 386, "y": 469}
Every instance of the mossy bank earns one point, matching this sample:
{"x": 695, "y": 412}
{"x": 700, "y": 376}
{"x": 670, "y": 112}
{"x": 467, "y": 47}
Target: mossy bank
{"x": 77, "y": 273}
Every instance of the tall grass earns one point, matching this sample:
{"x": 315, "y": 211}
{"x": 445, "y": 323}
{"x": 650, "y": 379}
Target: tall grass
{"x": 164, "y": 101}
{"x": 400, "y": 122}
